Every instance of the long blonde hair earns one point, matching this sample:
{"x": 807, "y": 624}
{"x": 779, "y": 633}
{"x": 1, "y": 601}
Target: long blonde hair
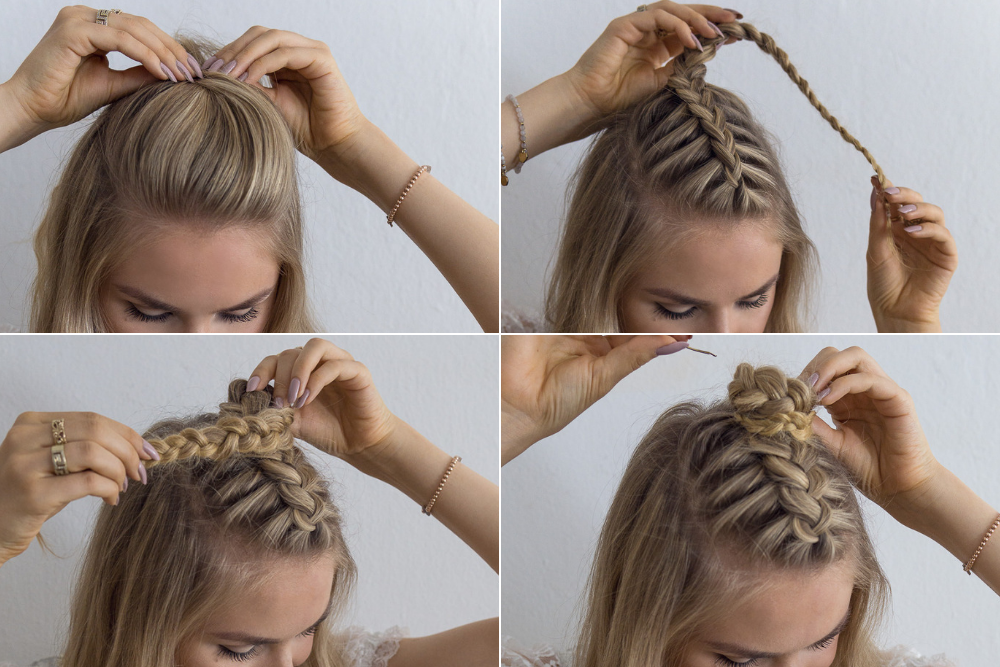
{"x": 232, "y": 494}
{"x": 216, "y": 153}
{"x": 690, "y": 155}
{"x": 741, "y": 479}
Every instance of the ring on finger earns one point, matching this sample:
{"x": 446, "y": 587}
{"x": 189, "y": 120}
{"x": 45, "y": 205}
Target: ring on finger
{"x": 58, "y": 450}
{"x": 102, "y": 15}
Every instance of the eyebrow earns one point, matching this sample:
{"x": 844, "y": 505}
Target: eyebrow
{"x": 744, "y": 652}
{"x": 682, "y": 298}
{"x": 250, "y": 639}
{"x": 156, "y": 304}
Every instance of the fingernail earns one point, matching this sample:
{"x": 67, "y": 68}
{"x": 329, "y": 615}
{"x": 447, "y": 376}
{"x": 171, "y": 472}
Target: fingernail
{"x": 874, "y": 195}
{"x": 302, "y": 399}
{"x": 909, "y": 208}
{"x": 733, "y": 11}
{"x": 813, "y": 379}
{"x": 125, "y": 485}
{"x": 293, "y": 390}
{"x": 142, "y": 473}
{"x": 823, "y": 394}
{"x": 717, "y": 31}
{"x": 229, "y": 67}
{"x": 673, "y": 347}
{"x": 166, "y": 70}
{"x": 149, "y": 449}
{"x": 217, "y": 65}
{"x": 279, "y": 402}
{"x": 252, "y": 383}
{"x": 698, "y": 42}
{"x": 187, "y": 74}
{"x": 914, "y": 228}
{"x": 243, "y": 77}
{"x": 210, "y": 61}
{"x": 892, "y": 191}
{"x": 195, "y": 66}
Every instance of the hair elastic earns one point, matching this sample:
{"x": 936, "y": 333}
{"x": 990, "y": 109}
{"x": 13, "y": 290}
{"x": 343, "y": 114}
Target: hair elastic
{"x": 982, "y": 545}
{"x": 392, "y": 214}
{"x": 451, "y": 466}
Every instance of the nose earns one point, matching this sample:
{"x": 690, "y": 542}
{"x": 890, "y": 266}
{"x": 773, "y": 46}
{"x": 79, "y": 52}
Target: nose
{"x": 199, "y": 324}
{"x": 720, "y": 322}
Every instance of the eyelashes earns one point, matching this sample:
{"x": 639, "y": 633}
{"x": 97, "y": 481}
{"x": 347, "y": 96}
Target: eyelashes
{"x": 723, "y": 661}
{"x": 239, "y": 657}
{"x": 759, "y": 302}
{"x": 133, "y": 312}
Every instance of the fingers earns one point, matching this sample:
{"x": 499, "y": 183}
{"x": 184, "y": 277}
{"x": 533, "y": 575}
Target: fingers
{"x": 61, "y": 491}
{"x": 182, "y": 60}
{"x": 697, "y": 20}
{"x": 832, "y": 363}
{"x": 311, "y": 63}
{"x": 290, "y": 371}
{"x": 353, "y": 375}
{"x": 628, "y": 356}
{"x": 222, "y": 60}
{"x": 272, "y": 50}
{"x": 102, "y": 38}
{"x": 83, "y": 455}
{"x": 166, "y": 48}
{"x": 875, "y": 387}
{"x": 634, "y": 28}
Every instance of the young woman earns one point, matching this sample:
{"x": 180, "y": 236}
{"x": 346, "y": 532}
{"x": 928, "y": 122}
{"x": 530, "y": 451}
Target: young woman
{"x": 735, "y": 537}
{"x": 238, "y": 528}
{"x": 680, "y": 218}
{"x": 179, "y": 208}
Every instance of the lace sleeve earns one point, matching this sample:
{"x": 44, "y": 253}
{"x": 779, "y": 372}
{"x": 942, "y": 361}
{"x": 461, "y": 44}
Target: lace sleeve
{"x": 536, "y": 656}
{"x": 372, "y": 649}
{"x": 902, "y": 656}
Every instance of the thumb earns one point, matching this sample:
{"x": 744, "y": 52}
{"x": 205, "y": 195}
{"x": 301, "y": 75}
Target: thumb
{"x": 879, "y": 232}
{"x": 128, "y": 81}
{"x": 628, "y": 355}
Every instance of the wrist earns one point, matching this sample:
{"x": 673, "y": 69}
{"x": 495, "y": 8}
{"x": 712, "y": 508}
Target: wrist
{"x": 896, "y": 325}
{"x": 16, "y": 127}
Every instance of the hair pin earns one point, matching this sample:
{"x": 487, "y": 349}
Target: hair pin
{"x": 694, "y": 349}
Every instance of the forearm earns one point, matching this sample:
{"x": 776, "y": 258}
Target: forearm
{"x": 460, "y": 241}
{"x": 469, "y": 504}
{"x": 554, "y": 114}
{"x": 15, "y": 129}
{"x": 951, "y": 514}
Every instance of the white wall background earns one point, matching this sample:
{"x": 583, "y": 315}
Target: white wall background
{"x": 412, "y": 571}
{"x": 425, "y": 71}
{"x": 911, "y": 81}
{"x": 555, "y": 495}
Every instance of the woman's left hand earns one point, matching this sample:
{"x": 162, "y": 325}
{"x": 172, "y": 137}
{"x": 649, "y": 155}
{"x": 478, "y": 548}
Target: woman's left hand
{"x": 308, "y": 87}
{"x": 905, "y": 288}
{"x": 878, "y": 436}
{"x": 338, "y": 408}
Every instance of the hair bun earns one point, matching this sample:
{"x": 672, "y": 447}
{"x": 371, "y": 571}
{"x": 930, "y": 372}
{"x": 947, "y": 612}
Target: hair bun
{"x": 767, "y": 402}
{"x": 243, "y": 403}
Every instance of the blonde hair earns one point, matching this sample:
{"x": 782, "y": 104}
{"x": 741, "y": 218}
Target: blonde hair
{"x": 742, "y": 480}
{"x": 231, "y": 496}
{"x": 216, "y": 153}
{"x": 690, "y": 155}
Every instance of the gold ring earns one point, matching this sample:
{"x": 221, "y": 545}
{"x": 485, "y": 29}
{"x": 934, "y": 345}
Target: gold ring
{"x": 102, "y": 15}
{"x": 58, "y": 452}
{"x": 641, "y": 8}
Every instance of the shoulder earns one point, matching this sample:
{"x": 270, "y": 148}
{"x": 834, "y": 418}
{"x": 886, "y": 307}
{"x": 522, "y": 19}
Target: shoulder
{"x": 902, "y": 656}
{"x": 372, "y": 649}
{"x": 513, "y": 655}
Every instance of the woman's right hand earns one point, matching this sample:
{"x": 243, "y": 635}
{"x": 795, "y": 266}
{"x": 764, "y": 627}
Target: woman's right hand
{"x": 100, "y": 454}
{"x": 626, "y": 63}
{"x": 66, "y": 77}
{"x": 547, "y": 381}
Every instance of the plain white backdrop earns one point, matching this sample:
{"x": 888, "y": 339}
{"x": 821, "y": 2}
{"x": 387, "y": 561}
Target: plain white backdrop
{"x": 912, "y": 81}
{"x": 555, "y": 495}
{"x": 412, "y": 571}
{"x": 425, "y": 71}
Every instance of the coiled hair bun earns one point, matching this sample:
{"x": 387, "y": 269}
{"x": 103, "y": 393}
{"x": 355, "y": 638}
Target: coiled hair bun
{"x": 767, "y": 402}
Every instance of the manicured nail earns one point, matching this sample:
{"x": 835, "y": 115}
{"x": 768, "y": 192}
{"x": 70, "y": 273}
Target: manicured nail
{"x": 187, "y": 74}
{"x": 673, "y": 347}
{"x": 208, "y": 62}
{"x": 229, "y": 67}
{"x": 279, "y": 402}
{"x": 167, "y": 71}
{"x": 892, "y": 191}
{"x": 909, "y": 208}
{"x": 823, "y": 394}
{"x": 914, "y": 228}
{"x": 717, "y": 31}
{"x": 293, "y": 390}
{"x": 195, "y": 66}
{"x": 149, "y": 449}
{"x": 733, "y": 11}
{"x": 302, "y": 399}
{"x": 125, "y": 485}
{"x": 243, "y": 77}
{"x": 697, "y": 42}
{"x": 813, "y": 379}
{"x": 217, "y": 65}
{"x": 252, "y": 383}
{"x": 142, "y": 473}
{"x": 874, "y": 197}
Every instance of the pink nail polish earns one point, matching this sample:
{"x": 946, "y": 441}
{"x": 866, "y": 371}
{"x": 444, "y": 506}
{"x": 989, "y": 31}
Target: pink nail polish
{"x": 229, "y": 67}
{"x": 302, "y": 399}
{"x": 187, "y": 74}
{"x": 892, "y": 191}
{"x": 873, "y": 199}
{"x": 149, "y": 449}
{"x": 813, "y": 379}
{"x": 142, "y": 473}
{"x": 217, "y": 65}
{"x": 279, "y": 402}
{"x": 717, "y": 31}
{"x": 243, "y": 77}
{"x": 733, "y": 11}
{"x": 196, "y": 67}
{"x": 914, "y": 228}
{"x": 823, "y": 394}
{"x": 166, "y": 70}
{"x": 673, "y": 347}
{"x": 253, "y": 383}
{"x": 698, "y": 42}
{"x": 293, "y": 390}
{"x": 125, "y": 485}
{"x": 208, "y": 62}
{"x": 909, "y": 208}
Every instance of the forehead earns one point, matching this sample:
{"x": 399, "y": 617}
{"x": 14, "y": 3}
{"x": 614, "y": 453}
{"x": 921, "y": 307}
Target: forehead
{"x": 200, "y": 270}
{"x": 792, "y": 610}
{"x": 715, "y": 260}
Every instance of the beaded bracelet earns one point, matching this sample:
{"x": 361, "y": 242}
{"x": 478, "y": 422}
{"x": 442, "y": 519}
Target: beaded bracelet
{"x": 982, "y": 545}
{"x": 451, "y": 466}
{"x": 522, "y": 157}
{"x": 392, "y": 214}
{"x": 503, "y": 167}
